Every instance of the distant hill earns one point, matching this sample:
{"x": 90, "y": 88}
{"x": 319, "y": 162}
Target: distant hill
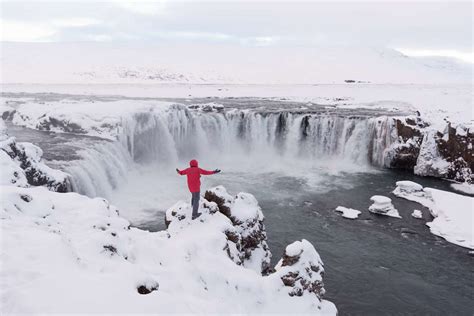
{"x": 90, "y": 62}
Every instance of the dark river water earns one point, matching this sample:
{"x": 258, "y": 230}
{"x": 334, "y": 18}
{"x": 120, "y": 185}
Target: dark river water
{"x": 375, "y": 265}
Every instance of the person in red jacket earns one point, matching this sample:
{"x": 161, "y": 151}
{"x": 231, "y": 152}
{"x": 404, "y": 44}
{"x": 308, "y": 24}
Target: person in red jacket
{"x": 194, "y": 183}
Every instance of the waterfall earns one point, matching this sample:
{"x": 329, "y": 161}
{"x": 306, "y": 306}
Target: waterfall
{"x": 180, "y": 133}
{"x": 101, "y": 170}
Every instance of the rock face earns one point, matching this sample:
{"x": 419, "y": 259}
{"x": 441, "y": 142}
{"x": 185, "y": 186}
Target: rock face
{"x": 301, "y": 270}
{"x": 456, "y": 146}
{"x": 405, "y": 153}
{"x": 23, "y": 165}
{"x": 428, "y": 152}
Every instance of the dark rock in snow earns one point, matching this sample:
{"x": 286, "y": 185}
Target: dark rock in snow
{"x": 147, "y": 288}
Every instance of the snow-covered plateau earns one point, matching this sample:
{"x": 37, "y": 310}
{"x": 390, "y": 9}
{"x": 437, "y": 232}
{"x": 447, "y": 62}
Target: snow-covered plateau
{"x": 65, "y": 252}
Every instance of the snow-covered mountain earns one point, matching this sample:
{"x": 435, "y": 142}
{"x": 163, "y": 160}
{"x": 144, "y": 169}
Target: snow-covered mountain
{"x": 88, "y": 62}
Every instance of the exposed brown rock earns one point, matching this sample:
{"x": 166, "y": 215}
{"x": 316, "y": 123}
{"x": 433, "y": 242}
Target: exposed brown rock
{"x": 456, "y": 146}
{"x": 212, "y": 197}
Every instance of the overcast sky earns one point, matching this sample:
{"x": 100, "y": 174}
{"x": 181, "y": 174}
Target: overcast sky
{"x": 417, "y": 28}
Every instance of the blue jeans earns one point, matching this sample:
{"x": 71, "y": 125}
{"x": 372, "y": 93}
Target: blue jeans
{"x": 195, "y": 203}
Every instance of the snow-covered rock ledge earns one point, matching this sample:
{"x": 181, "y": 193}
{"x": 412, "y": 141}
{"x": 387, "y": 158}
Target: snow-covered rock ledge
{"x": 22, "y": 165}
{"x": 65, "y": 252}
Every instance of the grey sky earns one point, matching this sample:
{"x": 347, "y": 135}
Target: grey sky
{"x": 417, "y": 26}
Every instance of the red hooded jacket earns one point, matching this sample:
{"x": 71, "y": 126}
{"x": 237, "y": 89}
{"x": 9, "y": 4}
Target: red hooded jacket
{"x": 194, "y": 175}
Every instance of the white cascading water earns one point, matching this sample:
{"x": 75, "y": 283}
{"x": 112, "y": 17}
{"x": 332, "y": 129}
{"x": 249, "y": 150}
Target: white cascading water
{"x": 179, "y": 133}
{"x": 101, "y": 170}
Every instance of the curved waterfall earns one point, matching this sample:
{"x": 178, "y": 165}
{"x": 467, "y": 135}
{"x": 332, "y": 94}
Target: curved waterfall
{"x": 179, "y": 133}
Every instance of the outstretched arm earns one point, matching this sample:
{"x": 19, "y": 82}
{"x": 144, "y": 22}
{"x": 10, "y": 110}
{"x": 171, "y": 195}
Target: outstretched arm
{"x": 208, "y": 172}
{"x": 182, "y": 172}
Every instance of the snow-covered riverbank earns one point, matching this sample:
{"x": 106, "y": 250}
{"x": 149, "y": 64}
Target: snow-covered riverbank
{"x": 453, "y": 213}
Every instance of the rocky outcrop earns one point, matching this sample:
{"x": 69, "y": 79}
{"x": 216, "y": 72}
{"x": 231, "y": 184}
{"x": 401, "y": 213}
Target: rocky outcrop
{"x": 249, "y": 235}
{"x": 428, "y": 152}
{"x": 301, "y": 270}
{"x": 456, "y": 147}
{"x": 246, "y": 235}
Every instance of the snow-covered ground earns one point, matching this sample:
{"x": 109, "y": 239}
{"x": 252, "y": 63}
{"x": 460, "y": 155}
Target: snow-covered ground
{"x": 68, "y": 253}
{"x": 453, "y": 213}
{"x": 63, "y": 253}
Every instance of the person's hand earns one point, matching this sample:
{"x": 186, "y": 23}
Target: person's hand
{"x": 217, "y": 170}
{"x": 177, "y": 170}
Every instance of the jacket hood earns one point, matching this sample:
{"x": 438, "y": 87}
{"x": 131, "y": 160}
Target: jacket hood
{"x": 193, "y": 163}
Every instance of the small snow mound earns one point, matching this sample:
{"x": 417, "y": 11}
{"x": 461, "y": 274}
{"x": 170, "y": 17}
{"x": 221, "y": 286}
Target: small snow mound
{"x": 349, "y": 213}
{"x": 409, "y": 186}
{"x": 245, "y": 207}
{"x": 417, "y": 214}
{"x": 380, "y": 199}
{"x": 382, "y": 205}
{"x": 222, "y": 193}
{"x": 411, "y": 191}
{"x": 294, "y": 249}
